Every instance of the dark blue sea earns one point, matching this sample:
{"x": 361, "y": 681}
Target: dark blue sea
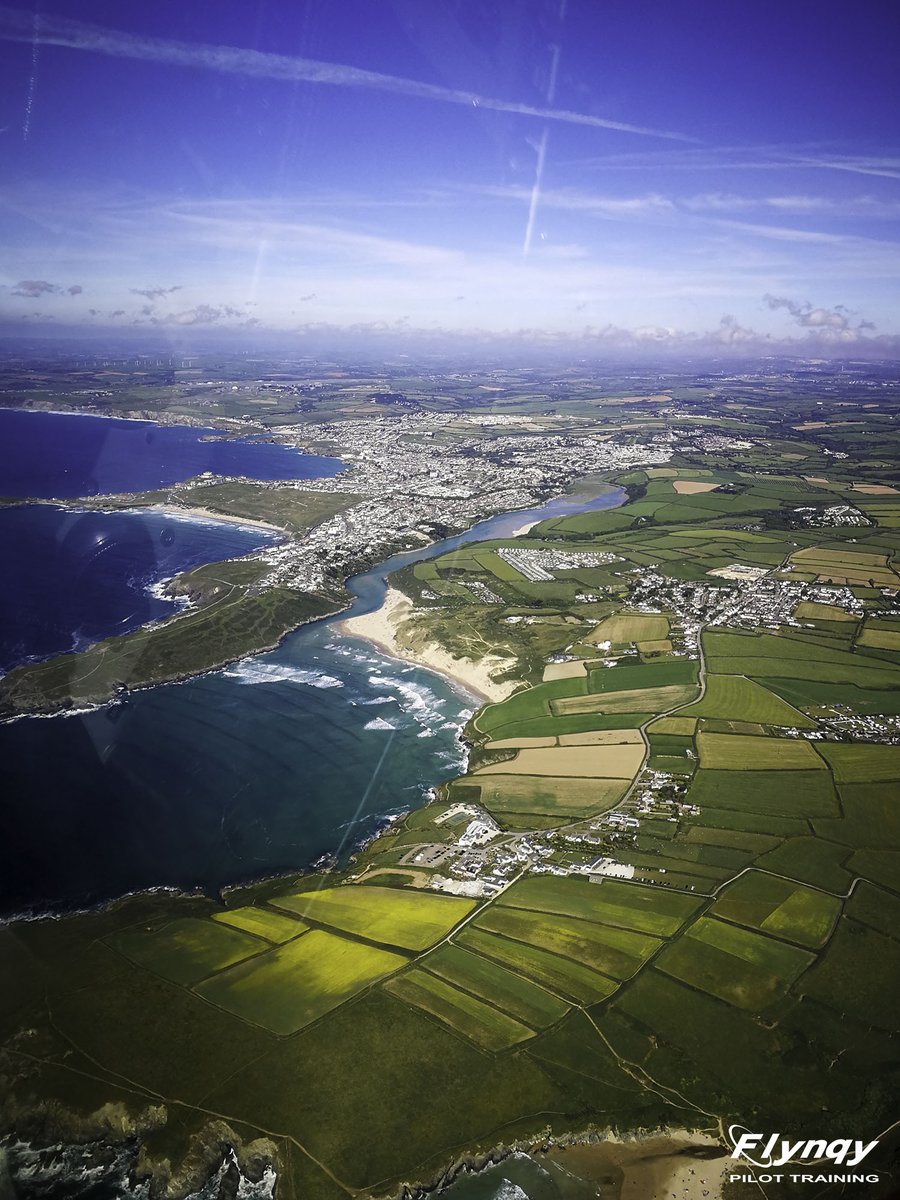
{"x": 62, "y": 455}
{"x": 72, "y": 578}
{"x": 256, "y": 769}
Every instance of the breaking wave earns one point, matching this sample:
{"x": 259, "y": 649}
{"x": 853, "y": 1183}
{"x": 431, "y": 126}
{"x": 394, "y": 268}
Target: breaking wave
{"x": 252, "y": 671}
{"x": 379, "y": 724}
{"x": 510, "y": 1191}
{"x": 417, "y": 701}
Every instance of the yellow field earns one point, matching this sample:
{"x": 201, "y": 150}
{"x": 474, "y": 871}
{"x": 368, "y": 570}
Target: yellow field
{"x": 663, "y": 646}
{"x": 288, "y": 987}
{"x": 692, "y": 487}
{"x": 605, "y": 762}
{"x": 874, "y": 489}
{"x": 386, "y": 915}
{"x": 737, "y": 752}
{"x": 565, "y": 670}
{"x": 273, "y": 926}
{"x": 880, "y": 639}
{"x": 652, "y": 699}
{"x": 601, "y": 737}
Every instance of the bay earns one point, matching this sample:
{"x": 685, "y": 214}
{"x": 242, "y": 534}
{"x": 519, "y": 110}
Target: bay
{"x": 48, "y": 455}
{"x": 247, "y": 772}
{"x": 72, "y": 578}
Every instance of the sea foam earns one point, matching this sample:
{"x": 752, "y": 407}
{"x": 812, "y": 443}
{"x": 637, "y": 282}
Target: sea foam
{"x": 252, "y": 671}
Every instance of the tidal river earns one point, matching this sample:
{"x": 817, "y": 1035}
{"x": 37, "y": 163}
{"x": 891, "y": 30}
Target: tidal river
{"x": 252, "y": 770}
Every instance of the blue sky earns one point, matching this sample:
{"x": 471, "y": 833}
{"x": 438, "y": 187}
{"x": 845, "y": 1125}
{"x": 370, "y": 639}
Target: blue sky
{"x": 628, "y": 174}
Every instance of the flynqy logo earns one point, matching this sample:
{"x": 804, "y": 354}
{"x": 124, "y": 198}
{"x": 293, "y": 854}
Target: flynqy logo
{"x": 775, "y": 1150}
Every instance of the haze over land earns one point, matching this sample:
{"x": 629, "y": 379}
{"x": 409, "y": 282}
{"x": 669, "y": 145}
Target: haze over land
{"x": 450, "y": 488}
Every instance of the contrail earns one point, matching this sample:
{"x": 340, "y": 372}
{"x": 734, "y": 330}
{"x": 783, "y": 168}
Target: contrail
{"x": 541, "y": 155}
{"x": 32, "y": 83}
{"x": 17, "y": 25}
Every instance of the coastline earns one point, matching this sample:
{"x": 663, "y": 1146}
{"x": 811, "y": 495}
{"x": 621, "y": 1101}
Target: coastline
{"x": 653, "y": 1164}
{"x": 195, "y": 513}
{"x": 381, "y": 627}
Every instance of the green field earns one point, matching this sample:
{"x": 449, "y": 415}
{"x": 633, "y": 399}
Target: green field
{"x": 526, "y": 705}
{"x": 649, "y": 700}
{"x": 497, "y": 566}
{"x": 736, "y": 697}
{"x": 811, "y": 859}
{"x": 630, "y": 627}
{"x": 875, "y": 907}
{"x": 291, "y": 985}
{"x": 730, "y": 838}
{"x": 483, "y": 1024}
{"x": 514, "y": 994}
{"x": 779, "y": 907}
{"x": 880, "y": 639}
{"x": 810, "y": 611}
{"x": 563, "y": 976}
{"x": 776, "y": 793}
{"x": 186, "y": 950}
{"x": 412, "y": 920}
{"x": 734, "y": 752}
{"x": 867, "y": 763}
{"x": 871, "y": 816}
{"x": 745, "y": 969}
{"x": 646, "y": 910}
{"x": 858, "y": 975}
{"x": 612, "y": 951}
{"x": 545, "y": 794}
{"x": 273, "y": 926}
{"x": 685, "y": 726}
{"x": 679, "y": 672}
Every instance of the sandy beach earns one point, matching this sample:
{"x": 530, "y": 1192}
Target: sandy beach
{"x": 523, "y": 529}
{"x": 654, "y": 1167}
{"x": 381, "y": 627}
{"x": 206, "y": 514}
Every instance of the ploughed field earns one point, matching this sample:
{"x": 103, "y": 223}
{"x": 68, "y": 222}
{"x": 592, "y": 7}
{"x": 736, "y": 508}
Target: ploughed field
{"x": 685, "y": 908}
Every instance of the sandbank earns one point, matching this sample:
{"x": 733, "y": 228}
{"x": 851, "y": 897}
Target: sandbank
{"x": 523, "y": 529}
{"x": 381, "y": 627}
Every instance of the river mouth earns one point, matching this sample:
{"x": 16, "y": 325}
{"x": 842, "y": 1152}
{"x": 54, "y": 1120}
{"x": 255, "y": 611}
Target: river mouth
{"x": 252, "y": 771}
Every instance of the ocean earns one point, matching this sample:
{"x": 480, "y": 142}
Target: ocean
{"x": 250, "y": 771}
{"x": 46, "y": 455}
{"x": 72, "y": 578}
{"x": 253, "y": 770}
